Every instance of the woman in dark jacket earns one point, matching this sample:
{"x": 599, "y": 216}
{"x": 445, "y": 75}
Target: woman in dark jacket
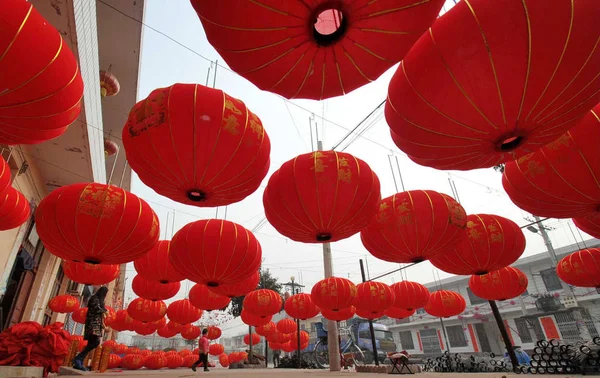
{"x": 94, "y": 325}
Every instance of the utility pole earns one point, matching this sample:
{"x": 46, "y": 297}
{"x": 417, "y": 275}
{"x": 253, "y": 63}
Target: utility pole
{"x": 373, "y": 341}
{"x": 297, "y": 326}
{"x": 505, "y": 337}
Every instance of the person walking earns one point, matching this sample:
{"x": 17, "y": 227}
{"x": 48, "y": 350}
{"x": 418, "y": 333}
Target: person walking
{"x": 276, "y": 356}
{"x": 203, "y": 346}
{"x": 94, "y": 326}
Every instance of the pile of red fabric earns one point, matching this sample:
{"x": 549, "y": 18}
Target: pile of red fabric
{"x": 30, "y": 344}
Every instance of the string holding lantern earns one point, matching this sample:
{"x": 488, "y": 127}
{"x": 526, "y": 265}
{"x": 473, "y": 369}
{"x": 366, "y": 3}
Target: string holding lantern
{"x": 146, "y": 310}
{"x": 109, "y": 84}
{"x": 90, "y": 274}
{"x": 201, "y": 297}
{"x": 286, "y": 326}
{"x": 183, "y": 312}
{"x": 344, "y": 193}
{"x": 373, "y": 297}
{"x": 255, "y": 339}
{"x": 301, "y": 306}
{"x": 63, "y": 304}
{"x": 238, "y": 289}
{"x": 445, "y": 303}
{"x": 14, "y": 209}
{"x": 534, "y": 81}
{"x": 409, "y": 295}
{"x": 581, "y": 268}
{"x": 154, "y": 290}
{"x": 334, "y": 293}
{"x": 339, "y": 315}
{"x": 499, "y": 285}
{"x": 156, "y": 265}
{"x": 263, "y": 302}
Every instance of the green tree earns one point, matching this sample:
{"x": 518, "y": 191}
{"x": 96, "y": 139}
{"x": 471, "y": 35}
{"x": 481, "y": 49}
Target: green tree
{"x": 267, "y": 281}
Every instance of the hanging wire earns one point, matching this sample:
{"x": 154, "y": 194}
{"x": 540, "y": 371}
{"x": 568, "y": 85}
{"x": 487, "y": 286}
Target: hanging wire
{"x": 572, "y": 233}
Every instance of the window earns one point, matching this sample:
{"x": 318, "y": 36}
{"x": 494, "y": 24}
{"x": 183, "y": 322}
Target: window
{"x": 420, "y": 311}
{"x": 456, "y": 336}
{"x": 523, "y": 330}
{"x": 474, "y": 299}
{"x": 313, "y": 328}
{"x": 551, "y": 280}
{"x": 406, "y": 340}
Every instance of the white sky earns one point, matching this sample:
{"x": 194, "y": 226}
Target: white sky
{"x": 165, "y": 62}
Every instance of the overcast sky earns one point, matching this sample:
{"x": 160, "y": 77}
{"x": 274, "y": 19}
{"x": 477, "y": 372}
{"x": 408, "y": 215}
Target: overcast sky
{"x": 165, "y": 62}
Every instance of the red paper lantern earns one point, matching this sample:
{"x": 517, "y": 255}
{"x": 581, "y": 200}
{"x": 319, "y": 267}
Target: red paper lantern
{"x": 224, "y": 360}
{"x": 109, "y": 344}
{"x": 286, "y": 326}
{"x": 154, "y": 290}
{"x": 156, "y": 265}
{"x": 174, "y": 361}
{"x": 109, "y": 85}
{"x": 590, "y": 225}
{"x": 304, "y": 340}
{"x": 238, "y": 289}
{"x": 301, "y": 306}
{"x": 581, "y": 268}
{"x": 204, "y": 299}
{"x": 133, "y": 361}
{"x": 322, "y": 196}
{"x": 215, "y": 252}
{"x": 114, "y": 361}
{"x": 373, "y": 297}
{"x": 189, "y": 360}
{"x": 280, "y": 337}
{"x": 63, "y": 304}
{"x": 367, "y": 314}
{"x": 267, "y": 329}
{"x": 316, "y": 49}
{"x": 213, "y": 333}
{"x": 142, "y": 328}
{"x": 263, "y": 302}
{"x": 79, "y": 315}
{"x": 216, "y": 349}
{"x": 14, "y": 209}
{"x": 5, "y": 175}
{"x": 174, "y": 326}
{"x": 334, "y": 293}
{"x": 157, "y": 324}
{"x": 166, "y": 332}
{"x": 90, "y": 274}
{"x": 445, "y": 303}
{"x": 191, "y": 332}
{"x": 134, "y": 350}
{"x": 196, "y": 145}
{"x": 410, "y": 295}
{"x": 96, "y": 223}
{"x": 499, "y": 285}
{"x": 121, "y": 349}
{"x": 253, "y": 319}
{"x": 275, "y": 346}
{"x": 560, "y": 179}
{"x": 146, "y": 310}
{"x": 399, "y": 313}
{"x": 122, "y": 321}
{"x": 339, "y": 315}
{"x": 414, "y": 226}
{"x": 41, "y": 83}
{"x": 145, "y": 353}
{"x": 510, "y": 90}
{"x": 492, "y": 243}
{"x": 185, "y": 352}
{"x": 255, "y": 339}
{"x": 183, "y": 312}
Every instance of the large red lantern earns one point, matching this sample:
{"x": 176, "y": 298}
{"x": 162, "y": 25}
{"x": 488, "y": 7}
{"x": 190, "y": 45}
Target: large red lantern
{"x": 255, "y": 339}
{"x": 507, "y": 90}
{"x": 224, "y": 360}
{"x": 204, "y": 299}
{"x": 399, "y": 313}
{"x": 263, "y": 302}
{"x": 253, "y": 319}
{"x": 90, "y": 274}
{"x": 41, "y": 83}
{"x": 191, "y": 332}
{"x": 167, "y": 332}
{"x": 196, "y": 145}
{"x": 215, "y": 252}
{"x": 316, "y": 49}
{"x": 499, "y": 285}
{"x": 367, "y": 314}
{"x": 114, "y": 361}
{"x": 373, "y": 297}
{"x": 146, "y": 310}
{"x": 122, "y": 322}
{"x": 445, "y": 303}
{"x": 581, "y": 268}
{"x": 157, "y": 324}
{"x": 213, "y": 333}
{"x": 174, "y": 326}
{"x": 142, "y": 328}
{"x": 334, "y": 293}
{"x": 79, "y": 315}
{"x": 286, "y": 326}
{"x": 414, "y": 226}
{"x": 492, "y": 243}
{"x": 183, "y": 312}
{"x": 239, "y": 288}
{"x": 156, "y": 265}
{"x": 301, "y": 306}
{"x": 322, "y": 196}
{"x": 63, "y": 304}
{"x": 133, "y": 361}
{"x": 14, "y": 209}
{"x": 121, "y": 349}
{"x": 280, "y": 337}
{"x": 174, "y": 361}
{"x": 215, "y": 349}
{"x": 590, "y": 225}
{"x": 339, "y": 315}
{"x": 560, "y": 179}
{"x": 154, "y": 290}
{"x": 304, "y": 339}
{"x": 96, "y": 223}
{"x": 5, "y": 175}
{"x": 410, "y": 295}
{"x": 267, "y": 329}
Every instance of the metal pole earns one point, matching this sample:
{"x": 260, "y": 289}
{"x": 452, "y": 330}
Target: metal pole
{"x": 374, "y": 344}
{"x": 445, "y": 335}
{"x": 266, "y": 353}
{"x": 297, "y": 328}
{"x": 504, "y": 333}
{"x": 250, "y": 359}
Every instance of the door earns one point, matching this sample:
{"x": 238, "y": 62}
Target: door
{"x": 484, "y": 342}
{"x": 549, "y": 327}
{"x": 20, "y": 301}
{"x": 431, "y": 343}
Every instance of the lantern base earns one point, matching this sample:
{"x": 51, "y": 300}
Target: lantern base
{"x": 91, "y": 261}
{"x": 509, "y": 143}
{"x": 196, "y": 195}
{"x": 324, "y": 236}
{"x": 164, "y": 282}
{"x": 212, "y": 284}
{"x": 418, "y": 260}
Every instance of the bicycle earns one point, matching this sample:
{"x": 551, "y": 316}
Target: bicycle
{"x": 350, "y": 352}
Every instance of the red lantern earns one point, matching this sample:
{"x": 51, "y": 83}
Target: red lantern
{"x": 63, "y": 304}
{"x": 275, "y": 346}
{"x": 304, "y": 338}
{"x": 238, "y": 289}
{"x": 559, "y": 180}
{"x": 301, "y": 306}
{"x": 373, "y": 297}
{"x": 79, "y": 315}
{"x": 5, "y": 175}
{"x": 215, "y": 252}
{"x": 185, "y": 352}
{"x": 204, "y": 299}
{"x": 174, "y": 326}
{"x": 113, "y": 226}
{"x": 189, "y": 360}
{"x": 492, "y": 243}
{"x": 166, "y": 332}
{"x": 590, "y": 225}
{"x": 410, "y": 295}
{"x": 399, "y": 313}
{"x": 90, "y": 274}
{"x": 109, "y": 344}
{"x": 134, "y": 350}
{"x": 183, "y": 312}
{"x": 157, "y": 324}
{"x": 334, "y": 293}
{"x": 133, "y": 361}
{"x": 154, "y": 290}
{"x": 366, "y": 314}
{"x": 581, "y": 268}
{"x": 145, "y": 353}
{"x": 280, "y": 337}
{"x": 41, "y": 83}
{"x": 110, "y": 148}
{"x": 174, "y": 361}
{"x": 114, "y": 361}
{"x": 445, "y": 303}
{"x": 253, "y": 319}
{"x": 224, "y": 360}
{"x": 156, "y": 265}
{"x": 267, "y": 329}
{"x": 142, "y": 328}
{"x": 499, "y": 285}
{"x": 322, "y": 196}
{"x": 255, "y": 339}
{"x": 122, "y": 321}
{"x": 414, "y": 226}
{"x": 191, "y": 332}
{"x": 317, "y": 49}
{"x": 109, "y": 85}
{"x": 196, "y": 145}
{"x": 213, "y": 333}
{"x": 286, "y": 326}
{"x": 146, "y": 310}
{"x": 14, "y": 209}
{"x": 263, "y": 302}
{"x": 513, "y": 90}
{"x": 339, "y": 315}
{"x": 216, "y": 349}
{"x": 121, "y": 349}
